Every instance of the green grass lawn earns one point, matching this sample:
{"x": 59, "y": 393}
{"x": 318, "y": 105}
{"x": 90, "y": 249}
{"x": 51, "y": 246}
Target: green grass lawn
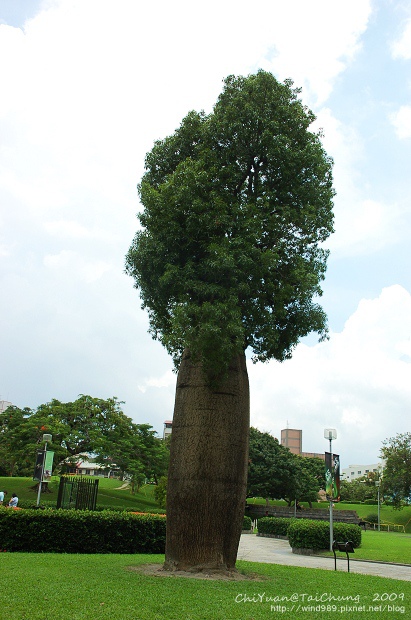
{"x": 95, "y": 587}
{"x": 383, "y": 547}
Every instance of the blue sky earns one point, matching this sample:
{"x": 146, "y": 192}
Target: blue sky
{"x": 86, "y": 88}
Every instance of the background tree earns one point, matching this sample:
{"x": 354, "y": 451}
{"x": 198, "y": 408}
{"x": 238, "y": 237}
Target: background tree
{"x": 135, "y": 449}
{"x": 272, "y": 468}
{"x": 396, "y": 480}
{"x": 160, "y": 492}
{"x": 86, "y": 426}
{"x": 310, "y": 478}
{"x": 20, "y": 438}
{"x": 236, "y": 205}
{"x": 360, "y": 489}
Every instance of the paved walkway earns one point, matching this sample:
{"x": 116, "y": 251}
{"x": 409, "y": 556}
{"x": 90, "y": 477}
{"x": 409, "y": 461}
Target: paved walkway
{"x": 275, "y": 551}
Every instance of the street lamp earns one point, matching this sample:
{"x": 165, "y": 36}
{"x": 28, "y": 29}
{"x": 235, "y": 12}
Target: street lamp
{"x": 46, "y": 438}
{"x": 330, "y": 434}
{"x": 377, "y": 484}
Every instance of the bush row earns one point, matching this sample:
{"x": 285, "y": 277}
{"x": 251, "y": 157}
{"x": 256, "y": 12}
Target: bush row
{"x": 313, "y": 534}
{"x": 276, "y": 526}
{"x": 81, "y": 531}
{"x": 309, "y": 533}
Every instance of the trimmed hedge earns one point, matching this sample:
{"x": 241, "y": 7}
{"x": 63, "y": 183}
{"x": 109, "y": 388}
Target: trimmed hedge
{"x": 81, "y": 531}
{"x": 247, "y": 523}
{"x": 32, "y": 504}
{"x": 276, "y": 526}
{"x": 312, "y": 534}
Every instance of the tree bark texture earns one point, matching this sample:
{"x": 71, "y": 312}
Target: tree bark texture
{"x": 208, "y": 468}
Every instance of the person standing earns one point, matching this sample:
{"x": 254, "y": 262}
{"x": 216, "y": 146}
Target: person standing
{"x": 2, "y": 494}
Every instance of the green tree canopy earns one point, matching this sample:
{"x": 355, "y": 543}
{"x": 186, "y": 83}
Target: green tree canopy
{"x": 236, "y": 205}
{"x": 274, "y": 472}
{"x": 19, "y": 441}
{"x": 272, "y": 468}
{"x": 310, "y": 478}
{"x": 396, "y": 481}
{"x": 359, "y": 490}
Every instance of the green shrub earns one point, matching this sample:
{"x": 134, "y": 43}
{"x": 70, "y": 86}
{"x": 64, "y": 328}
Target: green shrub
{"x": 276, "y": 526}
{"x": 247, "y": 523}
{"x": 372, "y": 518}
{"x": 371, "y": 502}
{"x": 160, "y": 492}
{"x": 32, "y": 503}
{"x": 81, "y": 531}
{"x": 311, "y": 534}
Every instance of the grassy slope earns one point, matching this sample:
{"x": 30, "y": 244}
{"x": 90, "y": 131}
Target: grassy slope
{"x": 109, "y": 493}
{"x": 89, "y": 587}
{"x": 387, "y": 514}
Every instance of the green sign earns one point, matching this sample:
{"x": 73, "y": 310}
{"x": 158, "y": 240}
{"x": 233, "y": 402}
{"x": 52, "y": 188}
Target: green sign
{"x": 48, "y": 465}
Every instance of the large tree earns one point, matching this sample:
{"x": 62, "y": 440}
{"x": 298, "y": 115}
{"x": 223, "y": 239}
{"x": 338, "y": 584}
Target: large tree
{"x": 136, "y": 450}
{"x": 228, "y": 258}
{"x": 396, "y": 477}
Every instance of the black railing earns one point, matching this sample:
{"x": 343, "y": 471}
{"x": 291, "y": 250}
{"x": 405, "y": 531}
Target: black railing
{"x": 77, "y": 493}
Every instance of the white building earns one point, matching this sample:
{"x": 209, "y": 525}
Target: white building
{"x": 4, "y": 404}
{"x": 357, "y": 471}
{"x": 168, "y": 428}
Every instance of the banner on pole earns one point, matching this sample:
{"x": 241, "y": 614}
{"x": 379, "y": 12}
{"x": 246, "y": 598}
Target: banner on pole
{"x": 44, "y": 465}
{"x": 48, "y": 465}
{"x": 38, "y": 468}
{"x": 332, "y": 477}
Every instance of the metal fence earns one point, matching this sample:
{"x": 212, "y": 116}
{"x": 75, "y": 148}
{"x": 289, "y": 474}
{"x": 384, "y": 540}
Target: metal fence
{"x": 78, "y": 493}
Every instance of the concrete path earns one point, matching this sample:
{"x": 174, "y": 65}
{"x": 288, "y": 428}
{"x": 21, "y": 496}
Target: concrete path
{"x": 275, "y": 551}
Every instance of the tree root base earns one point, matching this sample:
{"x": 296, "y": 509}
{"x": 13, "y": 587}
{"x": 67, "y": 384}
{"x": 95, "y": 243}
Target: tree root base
{"x": 158, "y": 570}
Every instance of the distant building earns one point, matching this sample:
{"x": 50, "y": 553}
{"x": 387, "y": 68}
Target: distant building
{"x": 168, "y": 427}
{"x": 314, "y": 455}
{"x": 89, "y": 468}
{"x": 4, "y": 404}
{"x": 358, "y": 471}
{"x": 292, "y": 438}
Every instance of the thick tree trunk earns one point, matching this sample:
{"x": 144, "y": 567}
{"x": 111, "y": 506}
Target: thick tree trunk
{"x": 208, "y": 469}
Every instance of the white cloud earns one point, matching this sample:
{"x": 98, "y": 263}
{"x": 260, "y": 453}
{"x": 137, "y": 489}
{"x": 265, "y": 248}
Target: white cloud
{"x": 315, "y": 55}
{"x": 362, "y": 225}
{"x": 401, "y": 48}
{"x": 64, "y": 228}
{"x": 402, "y": 122}
{"x": 72, "y": 229}
{"x": 357, "y": 382}
{"x": 69, "y": 264}
{"x": 166, "y": 380}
